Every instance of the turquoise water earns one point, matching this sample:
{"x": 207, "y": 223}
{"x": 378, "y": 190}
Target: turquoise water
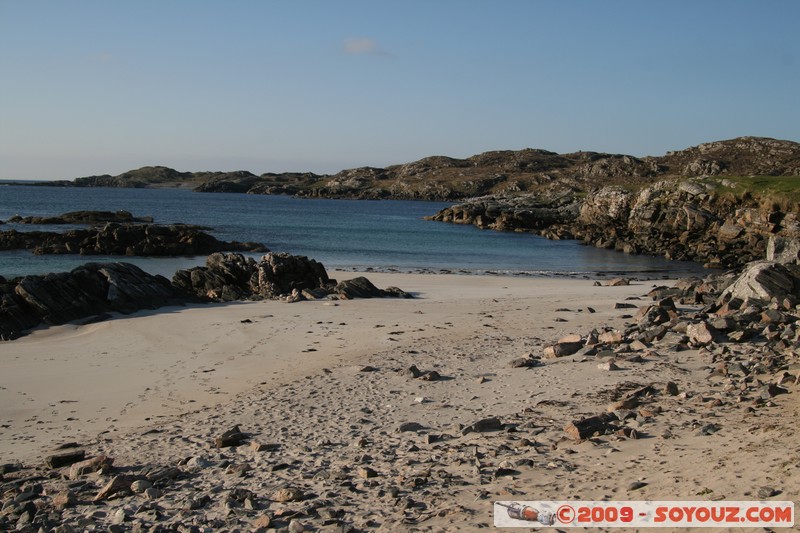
{"x": 342, "y": 234}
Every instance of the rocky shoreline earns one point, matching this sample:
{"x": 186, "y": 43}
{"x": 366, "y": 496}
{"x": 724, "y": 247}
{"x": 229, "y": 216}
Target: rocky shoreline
{"x": 685, "y": 221}
{"x": 707, "y": 366}
{"x": 93, "y": 290}
{"x": 116, "y": 233}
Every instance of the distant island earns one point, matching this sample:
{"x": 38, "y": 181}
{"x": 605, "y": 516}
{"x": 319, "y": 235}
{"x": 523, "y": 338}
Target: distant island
{"x": 498, "y": 172}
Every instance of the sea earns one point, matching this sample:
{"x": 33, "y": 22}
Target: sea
{"x": 348, "y": 235}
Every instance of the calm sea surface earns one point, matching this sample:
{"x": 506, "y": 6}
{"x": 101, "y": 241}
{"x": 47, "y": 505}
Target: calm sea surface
{"x": 342, "y": 234}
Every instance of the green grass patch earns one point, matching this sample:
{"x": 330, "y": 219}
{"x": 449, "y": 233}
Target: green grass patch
{"x": 779, "y": 192}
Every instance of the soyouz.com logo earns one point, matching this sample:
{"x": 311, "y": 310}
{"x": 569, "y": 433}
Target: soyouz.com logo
{"x": 643, "y": 514}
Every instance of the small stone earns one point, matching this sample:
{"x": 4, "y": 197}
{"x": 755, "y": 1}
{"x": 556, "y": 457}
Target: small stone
{"x": 117, "y": 485}
{"x": 483, "y": 425}
{"x": 610, "y": 337}
{"x": 118, "y": 517}
{"x": 525, "y": 362}
{"x": 287, "y": 494}
{"x": 671, "y": 388}
{"x": 64, "y": 499}
{"x": 431, "y": 375}
{"x": 64, "y": 459}
{"x": 608, "y": 365}
{"x": 410, "y": 426}
{"x": 636, "y": 485}
{"x": 295, "y": 526}
{"x": 140, "y": 485}
{"x": 365, "y": 472}
{"x": 701, "y": 333}
{"x": 766, "y": 492}
{"x": 708, "y": 429}
{"x": 101, "y": 463}
{"x": 238, "y": 470}
{"x": 618, "y": 282}
{"x": 262, "y": 447}
{"x": 412, "y": 372}
{"x": 232, "y": 437}
{"x": 771, "y": 390}
{"x": 262, "y": 521}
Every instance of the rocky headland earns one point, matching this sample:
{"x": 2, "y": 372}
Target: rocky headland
{"x": 96, "y": 289}
{"x": 692, "y": 220}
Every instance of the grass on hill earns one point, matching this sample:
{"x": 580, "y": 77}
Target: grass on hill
{"x": 776, "y": 192}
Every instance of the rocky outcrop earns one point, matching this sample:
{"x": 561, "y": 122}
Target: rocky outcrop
{"x": 521, "y": 212}
{"x": 688, "y": 220}
{"x": 82, "y": 217}
{"x": 123, "y": 239}
{"x": 92, "y": 289}
{"x": 98, "y": 288}
{"x": 228, "y": 277}
{"x": 683, "y": 221}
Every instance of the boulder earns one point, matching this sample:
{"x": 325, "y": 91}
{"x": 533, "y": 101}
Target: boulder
{"x": 764, "y": 280}
{"x": 359, "y": 287}
{"x": 701, "y": 333}
{"x": 565, "y": 346}
{"x": 783, "y": 250}
{"x": 88, "y": 290}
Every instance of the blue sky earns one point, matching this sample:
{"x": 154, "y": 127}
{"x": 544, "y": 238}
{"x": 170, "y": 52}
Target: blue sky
{"x": 93, "y": 87}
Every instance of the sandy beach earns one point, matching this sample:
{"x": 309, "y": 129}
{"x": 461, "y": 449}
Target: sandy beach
{"x": 323, "y": 386}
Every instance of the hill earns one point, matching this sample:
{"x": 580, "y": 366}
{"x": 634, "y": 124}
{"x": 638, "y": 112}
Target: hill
{"x": 496, "y": 172}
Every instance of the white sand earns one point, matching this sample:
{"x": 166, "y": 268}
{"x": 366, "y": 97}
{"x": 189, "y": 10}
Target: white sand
{"x": 103, "y": 385}
{"x": 73, "y": 382}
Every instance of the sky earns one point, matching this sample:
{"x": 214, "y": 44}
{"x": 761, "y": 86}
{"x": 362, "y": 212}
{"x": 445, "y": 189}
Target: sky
{"x": 101, "y": 87}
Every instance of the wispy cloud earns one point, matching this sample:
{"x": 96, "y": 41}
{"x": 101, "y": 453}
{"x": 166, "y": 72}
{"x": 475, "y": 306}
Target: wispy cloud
{"x": 361, "y": 46}
{"x": 102, "y": 57}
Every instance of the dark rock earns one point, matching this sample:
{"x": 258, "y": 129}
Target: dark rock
{"x": 232, "y": 437}
{"x": 118, "y": 484}
{"x": 83, "y": 217}
{"x": 412, "y": 372}
{"x": 65, "y": 459}
{"x": 431, "y": 375}
{"x": 123, "y": 239}
{"x": 359, "y": 287}
{"x": 410, "y": 426}
{"x": 587, "y": 427}
{"x": 483, "y": 425}
{"x": 525, "y": 362}
{"x": 89, "y": 290}
{"x": 568, "y": 345}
